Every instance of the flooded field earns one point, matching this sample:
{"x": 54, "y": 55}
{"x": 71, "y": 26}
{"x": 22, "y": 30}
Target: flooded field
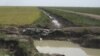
{"x": 66, "y": 48}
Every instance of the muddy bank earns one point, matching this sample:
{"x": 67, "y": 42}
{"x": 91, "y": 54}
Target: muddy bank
{"x": 84, "y": 38}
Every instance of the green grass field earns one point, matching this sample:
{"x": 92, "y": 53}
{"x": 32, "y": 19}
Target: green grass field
{"x": 18, "y": 15}
{"x": 76, "y": 19}
{"x": 91, "y": 10}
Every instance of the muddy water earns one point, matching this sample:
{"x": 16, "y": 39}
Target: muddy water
{"x": 66, "y": 48}
{"x": 55, "y": 22}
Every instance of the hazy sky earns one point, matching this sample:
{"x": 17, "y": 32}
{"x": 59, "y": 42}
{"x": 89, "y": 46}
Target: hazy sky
{"x": 84, "y": 3}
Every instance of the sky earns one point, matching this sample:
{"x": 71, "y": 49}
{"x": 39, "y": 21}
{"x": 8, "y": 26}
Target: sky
{"x": 65, "y": 3}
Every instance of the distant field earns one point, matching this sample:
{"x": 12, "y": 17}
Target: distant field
{"x": 84, "y": 10}
{"x": 18, "y": 15}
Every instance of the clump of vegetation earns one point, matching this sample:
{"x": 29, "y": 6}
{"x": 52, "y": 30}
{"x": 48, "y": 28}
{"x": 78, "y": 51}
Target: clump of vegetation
{"x": 17, "y": 46}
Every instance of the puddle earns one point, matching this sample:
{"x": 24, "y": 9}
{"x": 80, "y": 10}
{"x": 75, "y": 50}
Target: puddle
{"x": 66, "y": 48}
{"x": 62, "y": 50}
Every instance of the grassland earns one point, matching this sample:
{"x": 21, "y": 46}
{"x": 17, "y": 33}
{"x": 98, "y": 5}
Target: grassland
{"x": 95, "y": 10}
{"x": 18, "y": 15}
{"x": 76, "y": 19}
